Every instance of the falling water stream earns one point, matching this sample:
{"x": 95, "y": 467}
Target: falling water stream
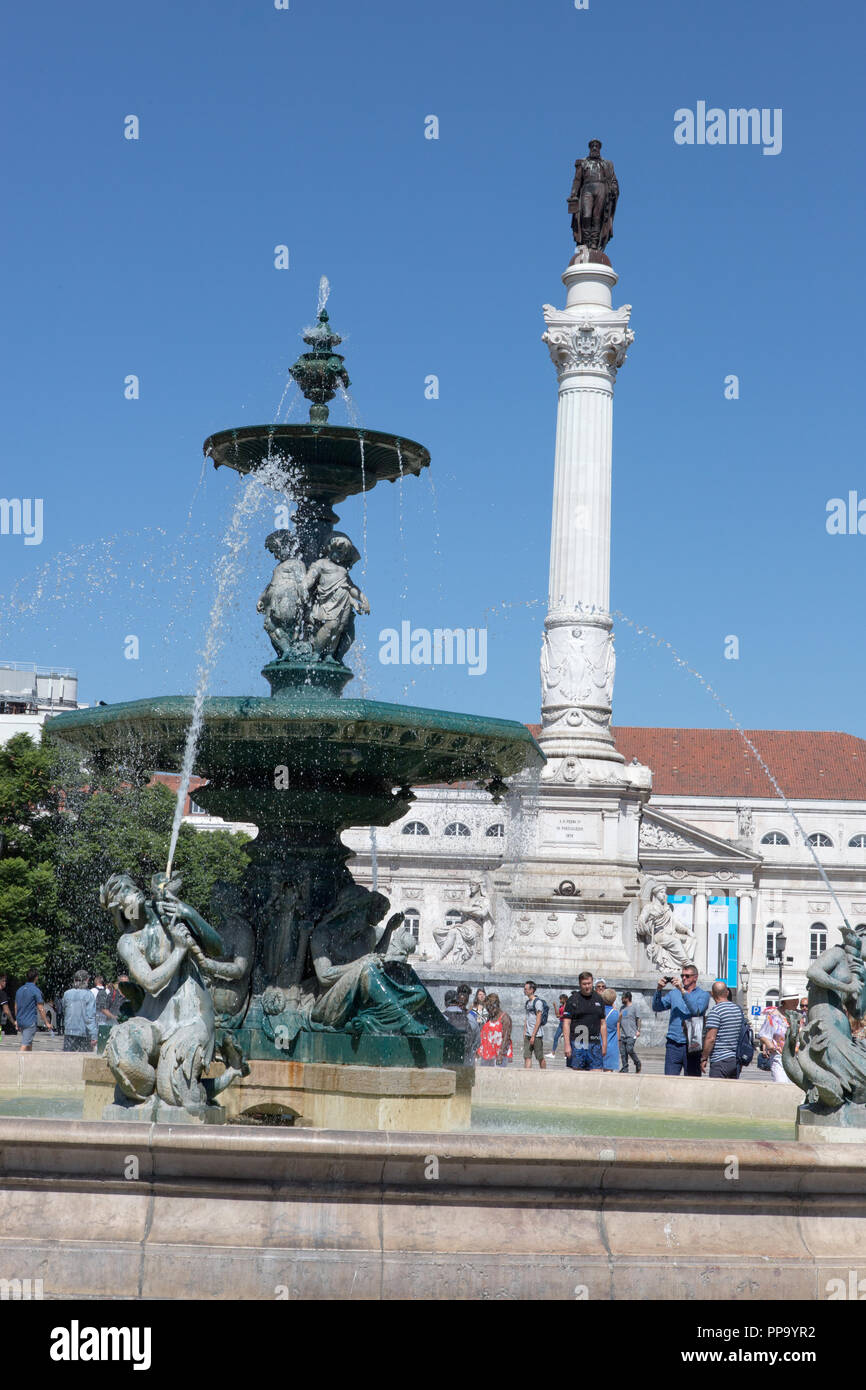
{"x": 229, "y": 568}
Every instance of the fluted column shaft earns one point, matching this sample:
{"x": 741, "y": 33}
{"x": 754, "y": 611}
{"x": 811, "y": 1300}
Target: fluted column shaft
{"x": 588, "y": 341}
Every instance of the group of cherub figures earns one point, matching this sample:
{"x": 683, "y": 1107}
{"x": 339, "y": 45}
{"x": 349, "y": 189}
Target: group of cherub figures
{"x": 310, "y": 610}
{"x": 191, "y": 985}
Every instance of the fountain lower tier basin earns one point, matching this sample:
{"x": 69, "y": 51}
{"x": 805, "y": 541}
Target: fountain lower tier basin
{"x": 330, "y": 462}
{"x": 335, "y": 1095}
{"x": 311, "y": 759}
{"x": 259, "y": 1213}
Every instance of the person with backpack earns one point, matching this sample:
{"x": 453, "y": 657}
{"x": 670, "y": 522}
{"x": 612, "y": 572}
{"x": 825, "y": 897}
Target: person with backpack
{"x": 535, "y": 1016}
{"x": 725, "y": 1045}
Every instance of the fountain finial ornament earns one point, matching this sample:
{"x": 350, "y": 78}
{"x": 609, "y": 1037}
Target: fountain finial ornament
{"x": 321, "y": 371}
{"x": 592, "y": 204}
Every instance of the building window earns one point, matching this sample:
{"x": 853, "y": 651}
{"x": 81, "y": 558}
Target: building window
{"x": 415, "y": 827}
{"x": 774, "y": 931}
{"x": 453, "y": 919}
{"x": 775, "y": 837}
{"x": 817, "y": 940}
{"x": 412, "y": 918}
{"x": 771, "y": 997}
{"x": 497, "y": 831}
{"x": 857, "y": 842}
{"x": 195, "y": 809}
{"x": 819, "y": 840}
{"x": 457, "y": 828}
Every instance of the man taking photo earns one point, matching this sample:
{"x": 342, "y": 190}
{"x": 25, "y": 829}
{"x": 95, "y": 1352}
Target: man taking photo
{"x": 687, "y": 1004}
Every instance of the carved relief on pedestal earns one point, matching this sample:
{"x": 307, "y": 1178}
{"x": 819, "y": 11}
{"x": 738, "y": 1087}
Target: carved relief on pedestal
{"x": 580, "y": 926}
{"x": 577, "y": 672}
{"x": 585, "y": 343}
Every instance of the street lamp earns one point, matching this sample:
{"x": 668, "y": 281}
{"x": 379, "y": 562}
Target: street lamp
{"x": 781, "y": 945}
{"x": 745, "y": 973}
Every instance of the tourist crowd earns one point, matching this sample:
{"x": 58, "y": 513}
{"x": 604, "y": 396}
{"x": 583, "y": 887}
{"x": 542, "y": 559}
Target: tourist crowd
{"x": 76, "y": 1012}
{"x": 708, "y": 1034}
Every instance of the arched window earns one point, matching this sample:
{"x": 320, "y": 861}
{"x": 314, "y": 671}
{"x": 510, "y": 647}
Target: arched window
{"x": 412, "y": 918}
{"x": 775, "y": 837}
{"x": 415, "y": 827}
{"x": 857, "y": 842}
{"x": 819, "y": 840}
{"x": 457, "y": 828}
{"x": 497, "y": 831}
{"x": 453, "y": 918}
{"x": 774, "y": 931}
{"x": 771, "y": 997}
{"x": 817, "y": 940}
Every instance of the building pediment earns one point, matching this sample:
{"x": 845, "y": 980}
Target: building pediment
{"x": 663, "y": 838}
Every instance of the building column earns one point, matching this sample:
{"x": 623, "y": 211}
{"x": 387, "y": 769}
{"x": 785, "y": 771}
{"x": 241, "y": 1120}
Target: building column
{"x": 701, "y": 920}
{"x": 587, "y": 341}
{"x": 745, "y": 930}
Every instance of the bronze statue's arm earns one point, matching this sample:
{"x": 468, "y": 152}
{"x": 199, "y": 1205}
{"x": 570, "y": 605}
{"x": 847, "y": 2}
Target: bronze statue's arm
{"x": 577, "y": 181}
{"x": 225, "y": 969}
{"x": 311, "y": 578}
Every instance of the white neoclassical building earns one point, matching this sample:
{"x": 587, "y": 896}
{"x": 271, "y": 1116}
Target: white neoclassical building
{"x": 714, "y": 834}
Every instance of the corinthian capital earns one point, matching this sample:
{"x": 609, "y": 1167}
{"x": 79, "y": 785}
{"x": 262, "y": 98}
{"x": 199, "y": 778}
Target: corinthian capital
{"x": 587, "y": 344}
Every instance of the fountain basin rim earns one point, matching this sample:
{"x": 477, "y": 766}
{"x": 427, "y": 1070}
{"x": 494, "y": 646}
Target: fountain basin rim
{"x": 327, "y": 458}
{"x": 388, "y": 738}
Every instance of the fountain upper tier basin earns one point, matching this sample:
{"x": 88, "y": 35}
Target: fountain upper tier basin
{"x": 326, "y": 460}
{"x": 319, "y": 738}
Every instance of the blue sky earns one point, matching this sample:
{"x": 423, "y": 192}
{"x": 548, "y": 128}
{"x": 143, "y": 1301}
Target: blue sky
{"x": 306, "y": 127}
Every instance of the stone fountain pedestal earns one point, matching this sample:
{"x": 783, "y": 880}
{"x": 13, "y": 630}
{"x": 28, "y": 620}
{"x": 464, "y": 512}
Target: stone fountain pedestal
{"x": 319, "y": 1095}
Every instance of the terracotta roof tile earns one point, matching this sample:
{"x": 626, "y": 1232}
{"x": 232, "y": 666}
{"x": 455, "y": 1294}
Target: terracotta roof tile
{"x": 807, "y": 764}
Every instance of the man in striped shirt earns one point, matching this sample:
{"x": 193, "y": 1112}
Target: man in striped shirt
{"x": 724, "y": 1024}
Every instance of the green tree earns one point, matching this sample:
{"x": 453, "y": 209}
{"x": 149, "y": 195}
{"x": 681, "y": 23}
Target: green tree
{"x": 29, "y": 806}
{"x": 63, "y": 830}
{"x": 128, "y": 829}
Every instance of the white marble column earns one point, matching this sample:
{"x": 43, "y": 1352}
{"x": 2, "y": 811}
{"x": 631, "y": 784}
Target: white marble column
{"x": 745, "y": 928}
{"x": 701, "y": 923}
{"x": 587, "y": 341}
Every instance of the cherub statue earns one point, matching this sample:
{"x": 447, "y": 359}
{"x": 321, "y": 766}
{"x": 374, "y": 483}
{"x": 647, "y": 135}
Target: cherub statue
{"x": 168, "y": 950}
{"x": 335, "y": 599}
{"x": 284, "y": 602}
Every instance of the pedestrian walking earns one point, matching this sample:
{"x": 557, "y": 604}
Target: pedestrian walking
{"x": 79, "y": 1011}
{"x": 29, "y": 1003}
{"x": 495, "y": 1048}
{"x": 629, "y": 1032}
{"x": 560, "y": 1010}
{"x": 611, "y": 1019}
{"x": 583, "y": 1027}
{"x": 688, "y": 1004}
{"x": 725, "y": 1023}
{"x": 535, "y": 1014}
{"x": 7, "y": 1020}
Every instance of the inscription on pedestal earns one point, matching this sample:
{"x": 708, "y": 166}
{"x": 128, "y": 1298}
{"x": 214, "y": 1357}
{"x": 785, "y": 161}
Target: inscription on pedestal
{"x": 565, "y": 828}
